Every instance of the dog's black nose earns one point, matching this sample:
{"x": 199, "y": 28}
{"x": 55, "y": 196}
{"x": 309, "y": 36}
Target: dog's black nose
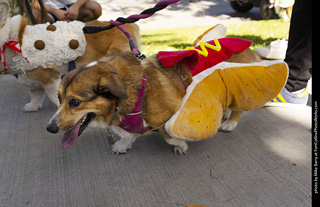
{"x": 53, "y": 128}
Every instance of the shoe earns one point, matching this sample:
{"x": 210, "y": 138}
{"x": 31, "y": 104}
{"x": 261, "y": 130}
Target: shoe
{"x": 275, "y": 51}
{"x": 286, "y": 99}
{"x": 286, "y": 3}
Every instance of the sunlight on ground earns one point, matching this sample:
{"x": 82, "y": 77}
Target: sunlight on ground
{"x": 296, "y": 118}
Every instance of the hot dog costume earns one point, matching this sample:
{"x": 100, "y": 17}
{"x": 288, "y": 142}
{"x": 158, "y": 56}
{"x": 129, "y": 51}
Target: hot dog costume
{"x": 218, "y": 85}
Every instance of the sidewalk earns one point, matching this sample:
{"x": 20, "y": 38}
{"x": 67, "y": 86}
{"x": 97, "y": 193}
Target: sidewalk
{"x": 181, "y": 14}
{"x": 265, "y": 162}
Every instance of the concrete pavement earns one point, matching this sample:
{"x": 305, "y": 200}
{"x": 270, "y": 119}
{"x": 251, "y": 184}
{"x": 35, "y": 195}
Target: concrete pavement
{"x": 265, "y": 161}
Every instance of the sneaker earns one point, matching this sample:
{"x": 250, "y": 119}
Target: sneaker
{"x": 275, "y": 51}
{"x": 297, "y": 99}
{"x": 286, "y": 3}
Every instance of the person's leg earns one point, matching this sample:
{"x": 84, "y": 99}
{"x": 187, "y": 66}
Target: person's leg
{"x": 298, "y": 58}
{"x": 90, "y": 11}
{"x": 298, "y": 55}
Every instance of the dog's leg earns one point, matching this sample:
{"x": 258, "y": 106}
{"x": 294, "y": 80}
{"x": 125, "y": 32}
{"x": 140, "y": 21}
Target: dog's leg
{"x": 37, "y": 96}
{"x": 230, "y": 120}
{"x": 52, "y": 91}
{"x": 180, "y": 146}
{"x": 226, "y": 114}
{"x": 121, "y": 146}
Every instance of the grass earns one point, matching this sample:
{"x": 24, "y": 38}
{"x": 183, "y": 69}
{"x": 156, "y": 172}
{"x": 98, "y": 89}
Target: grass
{"x": 261, "y": 33}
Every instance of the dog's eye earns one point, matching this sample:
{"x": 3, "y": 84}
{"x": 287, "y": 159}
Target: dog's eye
{"x": 59, "y": 97}
{"x": 74, "y": 102}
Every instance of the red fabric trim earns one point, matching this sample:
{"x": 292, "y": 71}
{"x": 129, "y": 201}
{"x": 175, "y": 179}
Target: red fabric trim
{"x": 198, "y": 63}
{"x": 15, "y": 46}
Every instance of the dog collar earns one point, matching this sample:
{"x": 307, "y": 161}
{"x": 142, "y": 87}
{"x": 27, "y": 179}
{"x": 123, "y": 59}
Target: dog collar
{"x": 15, "y": 46}
{"x": 133, "y": 122}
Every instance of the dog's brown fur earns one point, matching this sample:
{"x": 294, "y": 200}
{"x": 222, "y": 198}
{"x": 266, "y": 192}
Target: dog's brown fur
{"x": 107, "y": 42}
{"x": 45, "y": 75}
{"x": 22, "y": 27}
{"x": 109, "y": 88}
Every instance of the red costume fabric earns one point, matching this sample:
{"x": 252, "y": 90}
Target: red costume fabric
{"x": 198, "y": 63}
{"x": 15, "y": 46}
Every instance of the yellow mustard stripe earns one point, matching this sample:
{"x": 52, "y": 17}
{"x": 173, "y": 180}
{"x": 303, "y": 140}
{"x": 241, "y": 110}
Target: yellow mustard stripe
{"x": 275, "y": 100}
{"x": 304, "y": 93}
{"x": 203, "y": 45}
{"x": 281, "y": 98}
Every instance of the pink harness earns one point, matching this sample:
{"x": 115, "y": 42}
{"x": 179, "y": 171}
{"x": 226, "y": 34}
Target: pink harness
{"x": 133, "y": 122}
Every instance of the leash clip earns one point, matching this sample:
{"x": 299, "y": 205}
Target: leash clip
{"x": 135, "y": 50}
{"x": 141, "y": 56}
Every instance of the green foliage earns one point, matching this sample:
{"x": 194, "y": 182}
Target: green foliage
{"x": 261, "y": 33}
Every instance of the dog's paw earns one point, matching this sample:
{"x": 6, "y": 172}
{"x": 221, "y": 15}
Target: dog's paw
{"x": 120, "y": 147}
{"x": 181, "y": 149}
{"x": 228, "y": 126}
{"x": 180, "y": 146}
{"x": 226, "y": 114}
{"x": 29, "y": 107}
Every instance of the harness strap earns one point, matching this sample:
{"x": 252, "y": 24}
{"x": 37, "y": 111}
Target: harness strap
{"x": 133, "y": 122}
{"x": 72, "y": 65}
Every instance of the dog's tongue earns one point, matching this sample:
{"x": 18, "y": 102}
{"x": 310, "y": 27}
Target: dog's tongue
{"x": 70, "y": 137}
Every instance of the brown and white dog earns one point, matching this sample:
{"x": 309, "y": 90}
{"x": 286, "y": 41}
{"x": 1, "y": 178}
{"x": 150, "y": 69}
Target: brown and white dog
{"x": 103, "y": 92}
{"x": 41, "y": 80}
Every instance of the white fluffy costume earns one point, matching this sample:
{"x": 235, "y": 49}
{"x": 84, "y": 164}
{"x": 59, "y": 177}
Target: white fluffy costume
{"x": 42, "y": 44}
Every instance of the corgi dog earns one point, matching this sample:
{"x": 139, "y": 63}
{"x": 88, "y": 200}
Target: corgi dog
{"x": 46, "y": 60}
{"x": 115, "y": 89}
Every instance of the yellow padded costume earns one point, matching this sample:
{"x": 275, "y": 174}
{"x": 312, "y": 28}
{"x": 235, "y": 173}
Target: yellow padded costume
{"x": 238, "y": 86}
{"x": 226, "y": 85}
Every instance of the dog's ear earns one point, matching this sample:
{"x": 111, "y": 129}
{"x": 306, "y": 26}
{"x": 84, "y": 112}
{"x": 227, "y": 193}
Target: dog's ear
{"x": 4, "y": 13}
{"x": 110, "y": 82}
